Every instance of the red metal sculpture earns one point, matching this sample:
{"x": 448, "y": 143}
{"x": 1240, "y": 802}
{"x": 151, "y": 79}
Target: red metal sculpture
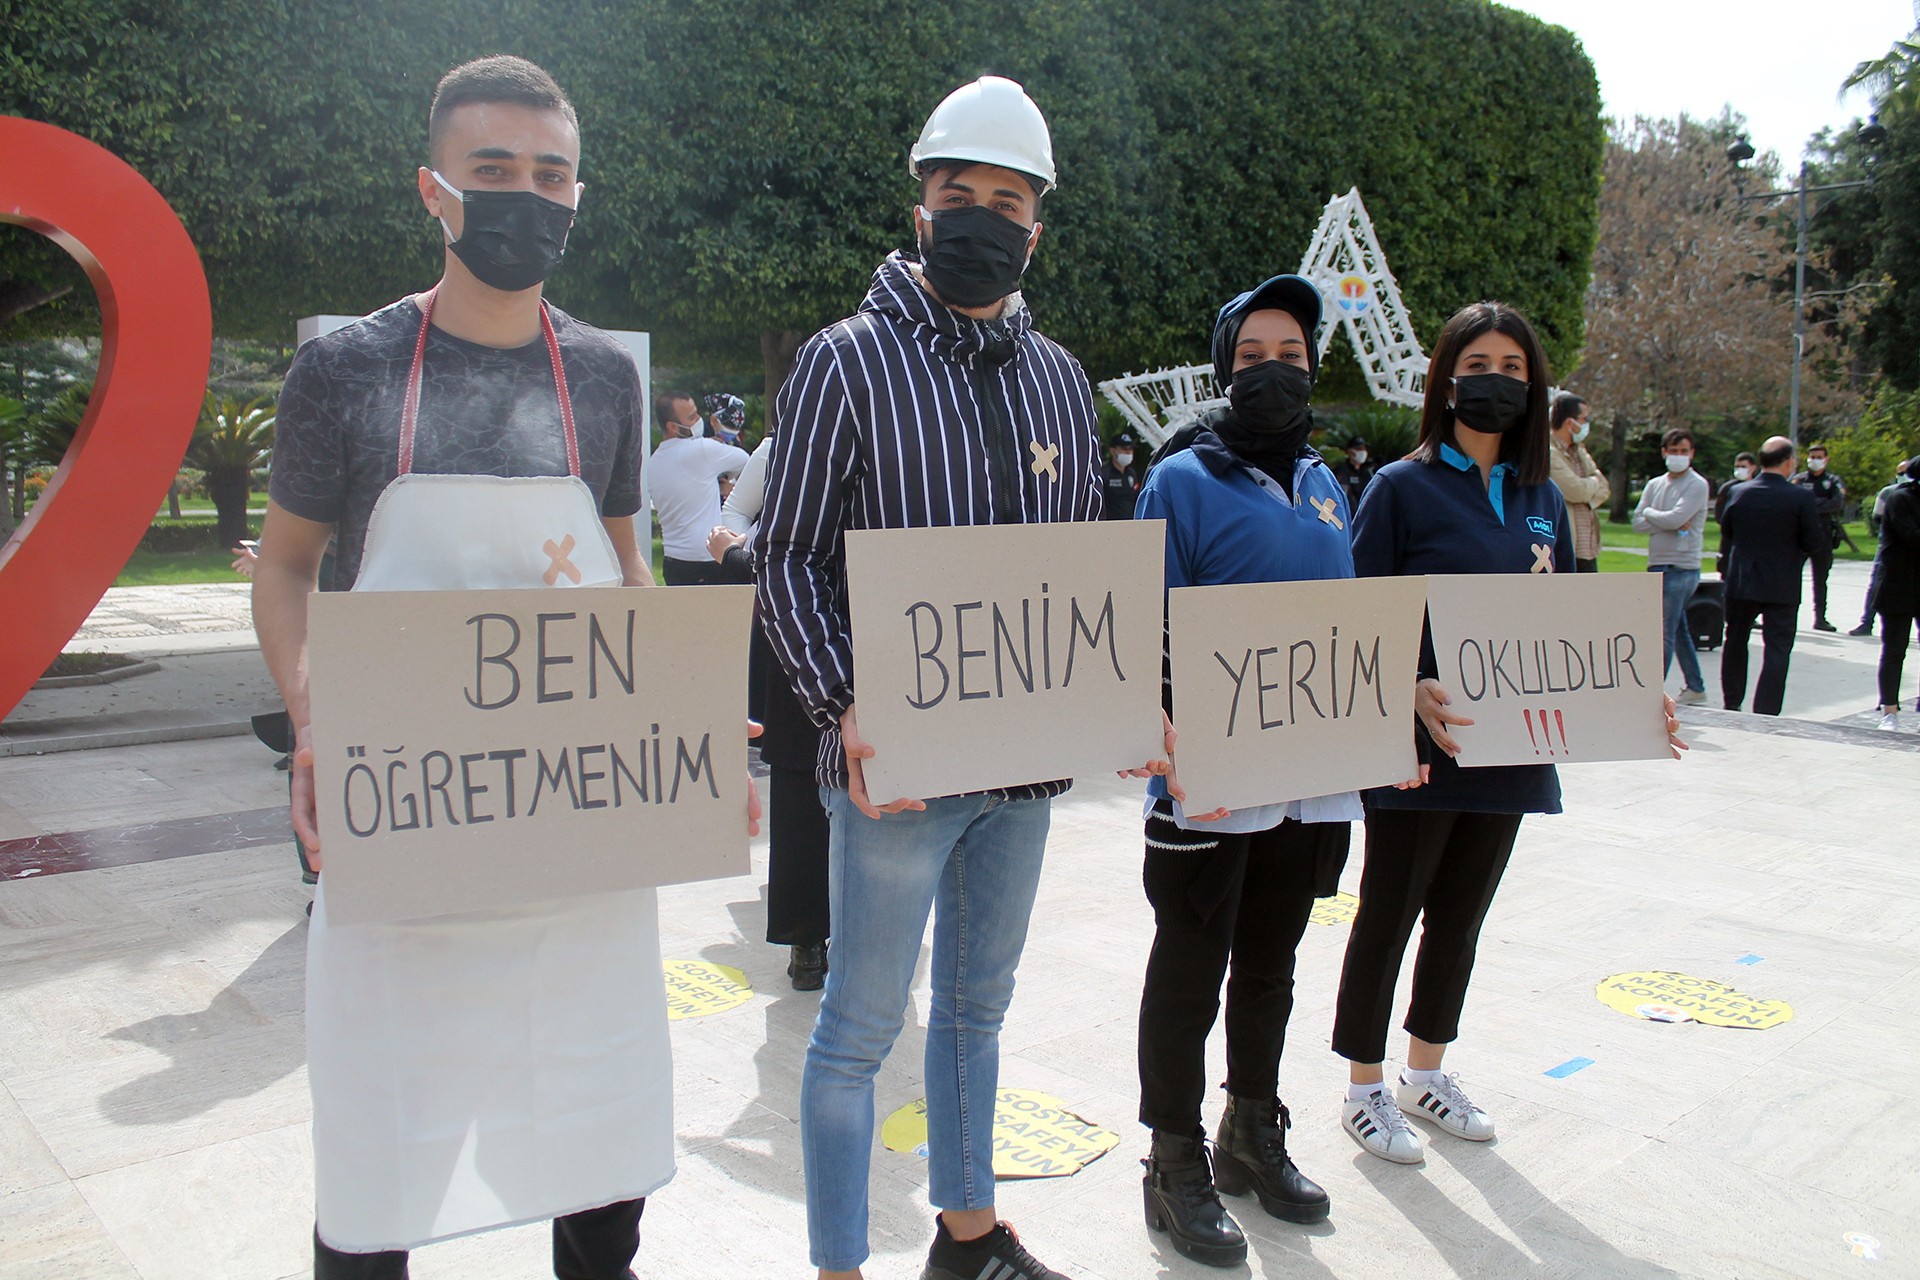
{"x": 156, "y": 340}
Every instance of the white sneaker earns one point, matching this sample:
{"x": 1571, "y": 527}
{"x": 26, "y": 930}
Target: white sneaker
{"x": 1376, "y": 1124}
{"x": 1445, "y": 1105}
{"x": 1691, "y": 697}
{"x": 1889, "y": 717}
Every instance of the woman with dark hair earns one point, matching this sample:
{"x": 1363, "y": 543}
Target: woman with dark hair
{"x": 1582, "y": 485}
{"x": 1246, "y": 499}
{"x": 1473, "y": 497}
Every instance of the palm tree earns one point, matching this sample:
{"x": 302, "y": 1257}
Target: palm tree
{"x": 1894, "y": 79}
{"x": 229, "y": 441}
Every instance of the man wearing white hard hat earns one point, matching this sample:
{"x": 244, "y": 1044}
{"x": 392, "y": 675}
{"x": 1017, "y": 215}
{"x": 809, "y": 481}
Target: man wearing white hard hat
{"x": 921, "y": 410}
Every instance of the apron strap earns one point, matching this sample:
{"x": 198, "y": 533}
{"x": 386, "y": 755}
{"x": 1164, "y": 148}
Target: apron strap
{"x": 410, "y": 413}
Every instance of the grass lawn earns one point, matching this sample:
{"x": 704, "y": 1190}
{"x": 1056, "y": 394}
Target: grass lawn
{"x": 175, "y": 568}
{"x": 1615, "y": 536}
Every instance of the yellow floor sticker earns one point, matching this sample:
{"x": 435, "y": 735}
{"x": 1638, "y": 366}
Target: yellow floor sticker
{"x": 696, "y": 989}
{"x": 1665, "y": 996}
{"x": 1338, "y": 909}
{"x": 1034, "y": 1135}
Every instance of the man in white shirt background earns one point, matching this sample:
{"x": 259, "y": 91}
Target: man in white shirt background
{"x": 683, "y": 479}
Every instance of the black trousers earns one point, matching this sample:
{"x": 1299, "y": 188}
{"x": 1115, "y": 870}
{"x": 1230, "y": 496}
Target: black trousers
{"x": 1586, "y": 566}
{"x": 1871, "y": 606}
{"x": 1778, "y": 623}
{"x": 1822, "y": 564}
{"x": 692, "y": 573}
{"x": 1439, "y": 867}
{"x": 1241, "y": 904}
{"x": 1895, "y": 628}
{"x": 598, "y": 1244}
{"x": 797, "y": 911}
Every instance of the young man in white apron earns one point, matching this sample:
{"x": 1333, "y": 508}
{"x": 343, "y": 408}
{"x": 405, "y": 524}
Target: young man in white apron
{"x": 485, "y": 1068}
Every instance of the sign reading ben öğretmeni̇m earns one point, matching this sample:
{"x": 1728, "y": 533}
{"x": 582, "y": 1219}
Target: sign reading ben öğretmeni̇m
{"x": 995, "y": 656}
{"x": 1551, "y": 668}
{"x": 476, "y": 749}
{"x": 1284, "y": 690}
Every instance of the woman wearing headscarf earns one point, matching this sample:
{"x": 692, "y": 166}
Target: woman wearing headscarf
{"x": 1473, "y": 497}
{"x": 1242, "y": 494}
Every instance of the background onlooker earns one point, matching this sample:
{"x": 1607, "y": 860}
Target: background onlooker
{"x": 1583, "y": 486}
{"x": 1673, "y": 512}
{"x": 1899, "y": 597}
{"x": 1830, "y": 500}
{"x": 1876, "y": 525}
{"x": 683, "y": 480}
{"x": 1354, "y": 471}
{"x": 1768, "y": 529}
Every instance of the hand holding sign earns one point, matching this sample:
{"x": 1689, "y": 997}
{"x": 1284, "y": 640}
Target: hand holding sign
{"x": 857, "y": 750}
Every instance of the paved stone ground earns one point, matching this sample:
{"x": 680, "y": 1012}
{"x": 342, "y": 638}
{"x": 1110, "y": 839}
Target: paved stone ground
{"x": 153, "y": 1108}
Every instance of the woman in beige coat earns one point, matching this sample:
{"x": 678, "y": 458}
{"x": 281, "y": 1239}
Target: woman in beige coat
{"x": 1579, "y": 480}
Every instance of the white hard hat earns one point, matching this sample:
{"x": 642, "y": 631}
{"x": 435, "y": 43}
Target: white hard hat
{"x": 991, "y": 121}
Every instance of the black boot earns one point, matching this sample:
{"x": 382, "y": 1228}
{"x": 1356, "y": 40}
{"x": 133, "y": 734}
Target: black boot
{"x": 1252, "y": 1155}
{"x": 1182, "y": 1202}
{"x": 807, "y": 965}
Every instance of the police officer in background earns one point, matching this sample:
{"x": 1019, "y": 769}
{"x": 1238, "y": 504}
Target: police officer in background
{"x": 1119, "y": 479}
{"x": 1830, "y": 499}
{"x": 1355, "y": 472}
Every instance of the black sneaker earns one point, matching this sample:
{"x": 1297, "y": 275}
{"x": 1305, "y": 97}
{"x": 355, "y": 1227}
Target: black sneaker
{"x": 1821, "y": 624}
{"x": 1864, "y": 629}
{"x": 998, "y": 1255}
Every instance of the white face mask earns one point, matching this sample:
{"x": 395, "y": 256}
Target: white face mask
{"x": 1678, "y": 462}
{"x": 1123, "y": 459}
{"x": 1580, "y": 432}
{"x": 1743, "y": 473}
{"x": 1359, "y": 457}
{"x": 1816, "y": 465}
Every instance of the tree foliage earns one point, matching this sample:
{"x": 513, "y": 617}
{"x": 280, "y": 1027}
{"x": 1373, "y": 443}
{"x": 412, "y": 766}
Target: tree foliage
{"x": 745, "y": 162}
{"x": 1684, "y": 327}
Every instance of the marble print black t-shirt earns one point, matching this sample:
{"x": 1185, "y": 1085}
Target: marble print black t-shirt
{"x": 483, "y": 411}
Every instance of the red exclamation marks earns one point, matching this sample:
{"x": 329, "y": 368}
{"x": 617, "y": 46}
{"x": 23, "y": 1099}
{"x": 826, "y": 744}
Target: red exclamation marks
{"x": 1559, "y": 720}
{"x": 1528, "y": 713}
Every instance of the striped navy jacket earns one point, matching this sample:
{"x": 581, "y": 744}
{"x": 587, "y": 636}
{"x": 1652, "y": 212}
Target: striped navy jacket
{"x": 908, "y": 415}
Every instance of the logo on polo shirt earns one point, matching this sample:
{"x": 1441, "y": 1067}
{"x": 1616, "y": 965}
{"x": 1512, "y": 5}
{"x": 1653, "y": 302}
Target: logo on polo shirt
{"x": 1540, "y": 525}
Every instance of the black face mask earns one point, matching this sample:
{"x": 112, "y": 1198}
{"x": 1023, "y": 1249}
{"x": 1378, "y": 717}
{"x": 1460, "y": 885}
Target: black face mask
{"x": 975, "y": 257}
{"x": 1271, "y": 419}
{"x": 511, "y": 240}
{"x": 1270, "y": 399}
{"x": 1490, "y": 402}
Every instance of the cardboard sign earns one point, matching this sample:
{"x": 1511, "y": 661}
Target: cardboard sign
{"x": 1552, "y": 668}
{"x": 477, "y": 749}
{"x": 994, "y": 656}
{"x": 1284, "y": 690}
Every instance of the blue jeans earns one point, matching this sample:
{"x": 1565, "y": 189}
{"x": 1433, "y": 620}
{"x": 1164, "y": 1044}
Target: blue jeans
{"x": 1676, "y": 590}
{"x": 974, "y": 862}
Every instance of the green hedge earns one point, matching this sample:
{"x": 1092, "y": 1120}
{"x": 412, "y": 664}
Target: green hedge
{"x": 168, "y": 535}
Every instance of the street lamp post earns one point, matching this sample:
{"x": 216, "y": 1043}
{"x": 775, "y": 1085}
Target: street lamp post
{"x": 1741, "y": 150}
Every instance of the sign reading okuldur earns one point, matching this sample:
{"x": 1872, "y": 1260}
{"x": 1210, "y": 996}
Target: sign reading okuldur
{"x": 1551, "y": 668}
{"x": 475, "y": 749}
{"x": 992, "y": 656}
{"x": 1284, "y": 690}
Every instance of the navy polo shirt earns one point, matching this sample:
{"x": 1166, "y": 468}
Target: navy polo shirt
{"x": 1418, "y": 517}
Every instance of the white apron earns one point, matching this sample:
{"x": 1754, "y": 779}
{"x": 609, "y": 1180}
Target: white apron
{"x": 496, "y": 1067}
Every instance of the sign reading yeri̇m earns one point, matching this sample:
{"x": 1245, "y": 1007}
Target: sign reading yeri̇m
{"x": 992, "y": 656}
{"x": 1551, "y": 668}
{"x": 475, "y": 749}
{"x": 1283, "y": 690}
